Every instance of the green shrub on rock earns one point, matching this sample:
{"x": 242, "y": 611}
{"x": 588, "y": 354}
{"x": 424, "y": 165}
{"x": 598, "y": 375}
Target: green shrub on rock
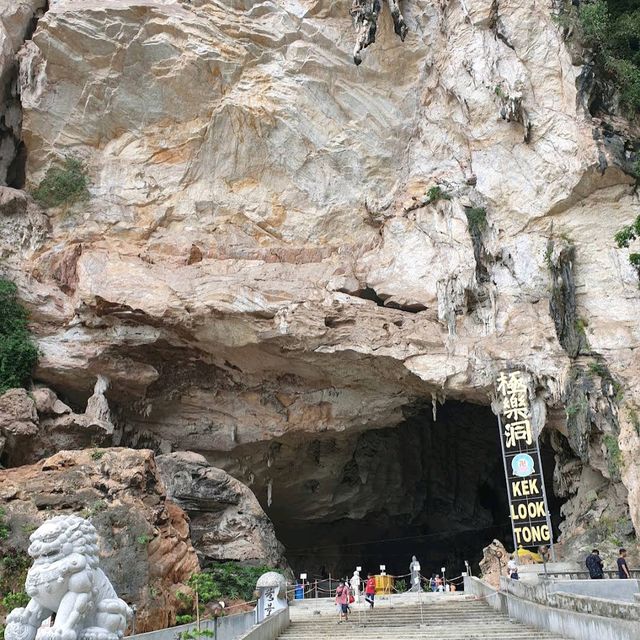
{"x": 63, "y": 185}
{"x": 625, "y": 237}
{"x": 611, "y": 28}
{"x": 226, "y": 580}
{"x": 18, "y": 354}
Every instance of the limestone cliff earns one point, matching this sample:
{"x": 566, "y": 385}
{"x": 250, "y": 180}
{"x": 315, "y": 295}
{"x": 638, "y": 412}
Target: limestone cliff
{"x": 283, "y": 250}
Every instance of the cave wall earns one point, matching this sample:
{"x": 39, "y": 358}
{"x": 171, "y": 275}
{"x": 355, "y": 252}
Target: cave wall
{"x": 437, "y": 485}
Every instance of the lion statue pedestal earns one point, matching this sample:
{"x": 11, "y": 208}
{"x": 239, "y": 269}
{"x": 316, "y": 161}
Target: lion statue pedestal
{"x": 65, "y": 580}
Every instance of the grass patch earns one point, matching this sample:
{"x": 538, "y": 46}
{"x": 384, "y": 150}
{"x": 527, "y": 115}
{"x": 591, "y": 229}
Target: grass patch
{"x": 476, "y": 220}
{"x": 184, "y": 618}
{"x": 18, "y": 354}
{"x": 5, "y": 529}
{"x": 598, "y": 369}
{"x": 67, "y": 184}
{"x": 94, "y": 509}
{"x": 144, "y": 540}
{"x": 614, "y": 455}
{"x": 573, "y": 410}
{"x": 635, "y": 420}
{"x": 436, "y": 193}
{"x": 97, "y": 454}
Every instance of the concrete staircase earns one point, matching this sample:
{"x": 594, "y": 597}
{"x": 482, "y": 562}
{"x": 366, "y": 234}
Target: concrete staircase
{"x": 447, "y": 619}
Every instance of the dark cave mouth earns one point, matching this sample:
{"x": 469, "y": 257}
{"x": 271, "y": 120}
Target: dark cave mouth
{"x": 430, "y": 488}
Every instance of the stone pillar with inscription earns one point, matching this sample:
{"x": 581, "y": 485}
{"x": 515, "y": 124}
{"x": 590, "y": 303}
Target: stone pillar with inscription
{"x": 272, "y": 595}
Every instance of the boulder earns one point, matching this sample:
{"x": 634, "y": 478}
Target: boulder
{"x": 227, "y": 521}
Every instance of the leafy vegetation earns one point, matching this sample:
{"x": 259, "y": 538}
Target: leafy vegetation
{"x": 5, "y": 530}
{"x": 611, "y": 28}
{"x": 598, "y": 369}
{"x": 97, "y": 454}
{"x": 63, "y": 185}
{"x": 476, "y": 220}
{"x": 144, "y": 540}
{"x": 436, "y": 193}
{"x": 94, "y": 509}
{"x": 18, "y": 354}
{"x": 15, "y": 599}
{"x": 184, "y": 618}
{"x": 15, "y": 566}
{"x": 635, "y": 420}
{"x": 226, "y": 580}
{"x": 572, "y": 410}
{"x": 13, "y": 572}
{"x": 626, "y": 236}
{"x": 614, "y": 455}
{"x": 196, "y": 634}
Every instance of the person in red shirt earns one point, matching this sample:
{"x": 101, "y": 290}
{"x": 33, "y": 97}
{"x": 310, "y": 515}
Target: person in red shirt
{"x": 370, "y": 590}
{"x": 342, "y": 600}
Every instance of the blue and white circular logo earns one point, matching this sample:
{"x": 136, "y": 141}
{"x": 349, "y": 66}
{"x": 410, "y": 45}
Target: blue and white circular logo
{"x": 522, "y": 465}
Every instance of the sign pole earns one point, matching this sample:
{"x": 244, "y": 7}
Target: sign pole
{"x": 544, "y": 493}
{"x": 506, "y": 479}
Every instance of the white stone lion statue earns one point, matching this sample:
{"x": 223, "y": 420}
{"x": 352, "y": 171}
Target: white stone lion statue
{"x": 65, "y": 580}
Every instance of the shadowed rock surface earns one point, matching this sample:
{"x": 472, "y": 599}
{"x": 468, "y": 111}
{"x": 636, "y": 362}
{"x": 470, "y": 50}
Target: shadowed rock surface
{"x": 227, "y": 522}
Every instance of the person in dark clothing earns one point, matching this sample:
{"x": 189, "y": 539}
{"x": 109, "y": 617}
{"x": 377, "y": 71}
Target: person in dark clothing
{"x": 623, "y": 569}
{"x": 595, "y": 565}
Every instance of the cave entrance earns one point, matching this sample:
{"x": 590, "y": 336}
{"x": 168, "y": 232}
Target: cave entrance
{"x": 433, "y": 488}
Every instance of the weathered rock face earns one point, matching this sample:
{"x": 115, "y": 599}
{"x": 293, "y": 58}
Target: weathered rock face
{"x": 37, "y": 424}
{"x": 227, "y": 521}
{"x": 145, "y": 548}
{"x": 17, "y": 21}
{"x": 262, "y": 257}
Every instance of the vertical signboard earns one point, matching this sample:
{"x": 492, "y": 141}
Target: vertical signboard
{"x": 523, "y": 468}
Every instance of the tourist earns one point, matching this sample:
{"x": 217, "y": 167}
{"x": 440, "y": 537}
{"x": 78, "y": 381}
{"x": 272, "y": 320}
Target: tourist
{"x": 355, "y": 585}
{"x": 623, "y": 568}
{"x": 595, "y": 565}
{"x": 370, "y": 590}
{"x": 439, "y": 584}
{"x": 512, "y": 568}
{"x": 342, "y": 600}
{"x": 432, "y": 582}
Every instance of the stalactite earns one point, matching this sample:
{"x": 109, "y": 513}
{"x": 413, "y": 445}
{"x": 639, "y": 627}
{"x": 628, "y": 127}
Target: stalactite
{"x": 365, "y": 15}
{"x": 269, "y": 492}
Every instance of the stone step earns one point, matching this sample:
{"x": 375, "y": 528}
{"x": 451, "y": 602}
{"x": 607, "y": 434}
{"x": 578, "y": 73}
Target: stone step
{"x": 455, "y": 619}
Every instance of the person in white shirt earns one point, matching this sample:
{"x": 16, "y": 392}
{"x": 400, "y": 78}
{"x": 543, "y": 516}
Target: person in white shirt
{"x": 355, "y": 585}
